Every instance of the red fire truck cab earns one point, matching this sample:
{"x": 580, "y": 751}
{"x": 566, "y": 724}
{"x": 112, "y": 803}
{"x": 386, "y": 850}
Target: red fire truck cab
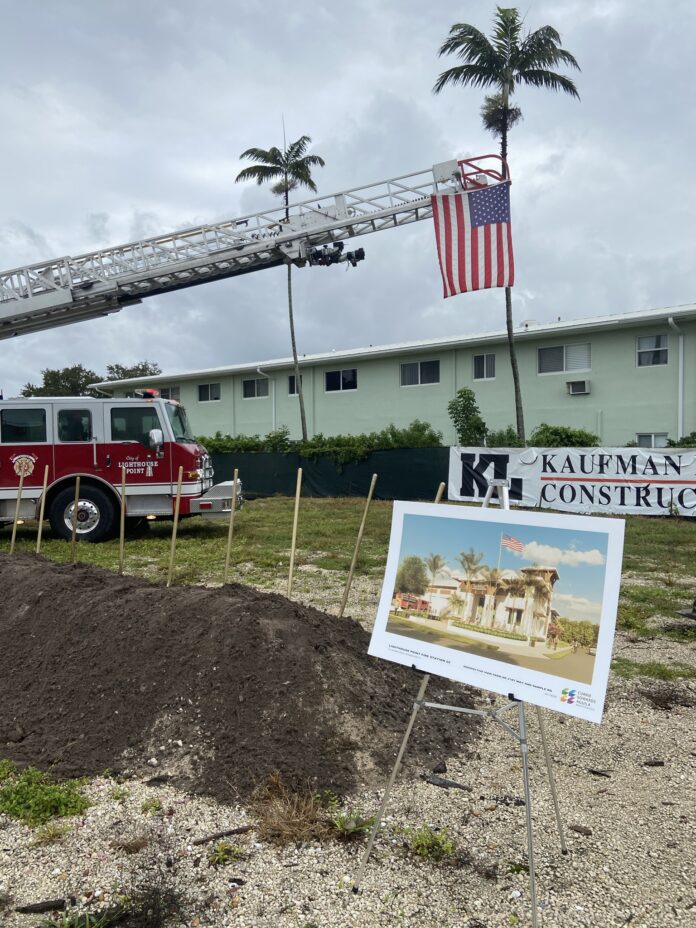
{"x": 94, "y": 439}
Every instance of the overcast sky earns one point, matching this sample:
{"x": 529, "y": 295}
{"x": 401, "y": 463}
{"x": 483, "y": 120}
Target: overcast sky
{"x": 125, "y": 118}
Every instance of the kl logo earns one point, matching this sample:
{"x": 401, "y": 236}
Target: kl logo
{"x": 475, "y": 474}
{"x": 568, "y": 696}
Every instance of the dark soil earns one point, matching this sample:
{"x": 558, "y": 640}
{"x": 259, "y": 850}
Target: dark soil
{"x": 99, "y": 671}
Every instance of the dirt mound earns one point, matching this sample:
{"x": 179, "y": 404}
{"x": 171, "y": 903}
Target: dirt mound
{"x": 217, "y": 688}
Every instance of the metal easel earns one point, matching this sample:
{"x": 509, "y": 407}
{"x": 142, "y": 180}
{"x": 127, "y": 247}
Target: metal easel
{"x": 499, "y": 488}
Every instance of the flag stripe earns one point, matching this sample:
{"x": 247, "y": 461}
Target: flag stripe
{"x": 447, "y": 220}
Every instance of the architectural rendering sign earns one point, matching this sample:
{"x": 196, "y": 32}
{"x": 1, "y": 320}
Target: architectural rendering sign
{"x": 643, "y": 481}
{"x": 523, "y": 604}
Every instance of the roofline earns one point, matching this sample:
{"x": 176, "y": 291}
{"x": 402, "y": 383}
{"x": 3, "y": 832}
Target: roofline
{"x": 527, "y": 331}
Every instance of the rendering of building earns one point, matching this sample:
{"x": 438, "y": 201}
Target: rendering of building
{"x": 626, "y": 378}
{"x": 516, "y": 601}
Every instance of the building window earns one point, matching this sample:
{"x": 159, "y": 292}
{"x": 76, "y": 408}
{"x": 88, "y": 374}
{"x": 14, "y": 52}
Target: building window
{"x": 292, "y": 385}
{"x": 174, "y": 393}
{"x": 415, "y": 373}
{"x": 562, "y": 358}
{"x": 651, "y": 350}
{"x": 484, "y": 367}
{"x": 208, "y": 392}
{"x": 341, "y": 380}
{"x": 652, "y": 439}
{"x": 255, "y": 389}
{"x": 74, "y": 425}
{"x": 22, "y": 426}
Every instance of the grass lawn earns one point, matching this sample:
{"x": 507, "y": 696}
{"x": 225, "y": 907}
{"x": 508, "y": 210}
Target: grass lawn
{"x": 327, "y": 531}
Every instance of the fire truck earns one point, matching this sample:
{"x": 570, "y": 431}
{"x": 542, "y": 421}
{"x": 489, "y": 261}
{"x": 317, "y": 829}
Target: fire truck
{"x": 96, "y": 439}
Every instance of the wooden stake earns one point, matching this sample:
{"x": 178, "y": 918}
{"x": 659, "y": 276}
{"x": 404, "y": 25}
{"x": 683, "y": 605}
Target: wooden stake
{"x": 17, "y": 508}
{"x": 122, "y": 526}
{"x": 42, "y": 509}
{"x": 73, "y": 538}
{"x": 440, "y": 493}
{"x": 294, "y": 530}
{"x": 230, "y": 531}
{"x": 357, "y": 547}
{"x": 177, "y": 504}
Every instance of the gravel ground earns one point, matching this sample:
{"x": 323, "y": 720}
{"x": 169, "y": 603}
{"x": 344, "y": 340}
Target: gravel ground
{"x": 630, "y": 863}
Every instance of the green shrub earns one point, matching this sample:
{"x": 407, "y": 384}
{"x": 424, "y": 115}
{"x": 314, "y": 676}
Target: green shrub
{"x": 498, "y": 632}
{"x": 686, "y": 441}
{"x": 465, "y": 415}
{"x": 503, "y": 438}
{"x": 32, "y": 798}
{"x": 562, "y": 436}
{"x": 343, "y": 448}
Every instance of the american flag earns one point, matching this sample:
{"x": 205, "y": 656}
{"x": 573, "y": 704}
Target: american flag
{"x": 474, "y": 239}
{"x": 514, "y": 544}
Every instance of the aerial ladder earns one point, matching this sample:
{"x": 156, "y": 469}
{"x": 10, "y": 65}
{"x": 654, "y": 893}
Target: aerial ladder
{"x": 72, "y": 289}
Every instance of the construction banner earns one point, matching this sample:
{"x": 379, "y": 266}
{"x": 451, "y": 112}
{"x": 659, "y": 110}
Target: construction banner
{"x": 640, "y": 481}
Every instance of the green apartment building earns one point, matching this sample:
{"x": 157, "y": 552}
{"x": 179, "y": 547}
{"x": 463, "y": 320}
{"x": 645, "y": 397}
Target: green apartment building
{"x": 629, "y": 377}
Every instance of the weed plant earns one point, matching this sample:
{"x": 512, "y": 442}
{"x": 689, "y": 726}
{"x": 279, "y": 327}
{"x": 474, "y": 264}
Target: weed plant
{"x": 350, "y": 825}
{"x": 430, "y": 843}
{"x": 50, "y": 833}
{"x": 223, "y": 853}
{"x": 33, "y": 798}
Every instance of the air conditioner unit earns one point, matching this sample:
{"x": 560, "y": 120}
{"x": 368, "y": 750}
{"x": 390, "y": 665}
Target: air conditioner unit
{"x": 578, "y": 387}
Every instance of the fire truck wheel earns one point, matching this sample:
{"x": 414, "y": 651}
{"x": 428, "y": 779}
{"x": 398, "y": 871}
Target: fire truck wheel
{"x": 96, "y": 514}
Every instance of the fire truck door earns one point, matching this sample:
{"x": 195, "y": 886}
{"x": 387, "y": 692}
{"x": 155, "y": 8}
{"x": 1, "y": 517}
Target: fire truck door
{"x": 26, "y": 433}
{"x": 77, "y": 430}
{"x": 127, "y": 444}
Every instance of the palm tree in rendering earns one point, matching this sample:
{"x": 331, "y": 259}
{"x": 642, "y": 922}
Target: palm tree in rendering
{"x": 289, "y": 169}
{"x": 508, "y": 59}
{"x": 469, "y": 561}
{"x": 434, "y": 563}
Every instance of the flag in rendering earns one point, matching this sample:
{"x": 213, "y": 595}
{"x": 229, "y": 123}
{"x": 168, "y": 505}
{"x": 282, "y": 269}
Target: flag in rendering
{"x": 514, "y": 544}
{"x": 474, "y": 238}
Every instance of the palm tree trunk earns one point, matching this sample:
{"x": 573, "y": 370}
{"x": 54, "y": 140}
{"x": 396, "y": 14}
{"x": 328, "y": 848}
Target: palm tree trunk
{"x": 519, "y": 412}
{"x": 298, "y": 378}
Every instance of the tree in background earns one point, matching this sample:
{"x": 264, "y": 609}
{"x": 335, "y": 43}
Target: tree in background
{"x": 411, "y": 577}
{"x": 141, "y": 369}
{"x": 466, "y": 418}
{"x": 66, "y": 381}
{"x": 510, "y": 58}
{"x": 290, "y": 168}
{"x": 75, "y": 380}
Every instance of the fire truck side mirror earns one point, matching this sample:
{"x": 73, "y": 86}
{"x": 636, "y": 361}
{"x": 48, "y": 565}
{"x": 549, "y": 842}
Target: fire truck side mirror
{"x": 156, "y": 439}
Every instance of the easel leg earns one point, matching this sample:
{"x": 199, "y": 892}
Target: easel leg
{"x": 524, "y": 749}
{"x": 552, "y": 780}
{"x": 390, "y": 784}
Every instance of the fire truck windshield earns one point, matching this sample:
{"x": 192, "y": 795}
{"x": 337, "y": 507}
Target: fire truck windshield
{"x": 179, "y": 422}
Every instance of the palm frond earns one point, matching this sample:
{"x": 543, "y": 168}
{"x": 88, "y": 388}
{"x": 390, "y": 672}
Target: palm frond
{"x": 498, "y": 118}
{"x": 296, "y": 150}
{"x": 472, "y": 75}
{"x": 539, "y": 77}
{"x": 259, "y": 154}
{"x": 261, "y": 173}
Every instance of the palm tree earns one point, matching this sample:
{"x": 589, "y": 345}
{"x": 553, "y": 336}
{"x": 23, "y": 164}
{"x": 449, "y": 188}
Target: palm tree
{"x": 290, "y": 169}
{"x": 508, "y": 59}
{"x": 434, "y": 563}
{"x": 469, "y": 561}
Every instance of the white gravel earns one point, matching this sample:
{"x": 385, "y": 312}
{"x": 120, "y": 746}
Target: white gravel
{"x": 635, "y": 869}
